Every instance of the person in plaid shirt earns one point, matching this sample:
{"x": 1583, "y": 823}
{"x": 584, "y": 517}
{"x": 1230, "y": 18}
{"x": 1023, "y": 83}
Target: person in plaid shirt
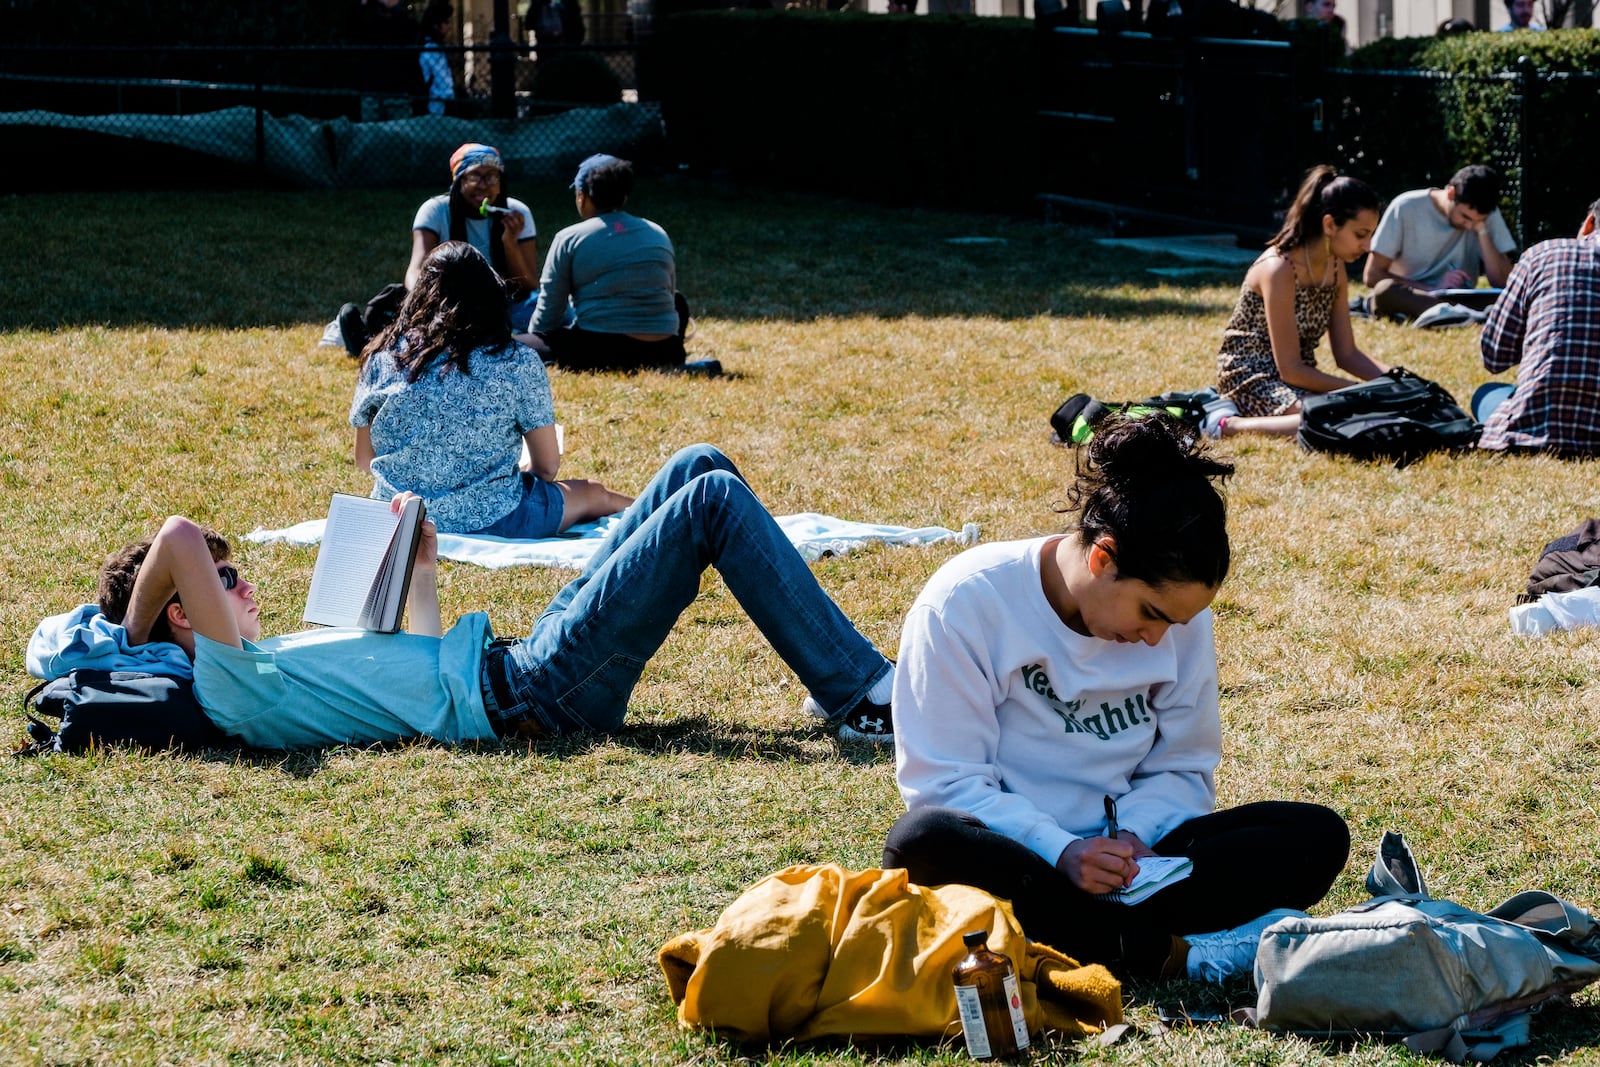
{"x": 1548, "y": 320}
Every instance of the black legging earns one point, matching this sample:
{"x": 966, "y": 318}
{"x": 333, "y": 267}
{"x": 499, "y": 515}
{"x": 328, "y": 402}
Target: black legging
{"x": 1247, "y": 861}
{"x": 578, "y": 349}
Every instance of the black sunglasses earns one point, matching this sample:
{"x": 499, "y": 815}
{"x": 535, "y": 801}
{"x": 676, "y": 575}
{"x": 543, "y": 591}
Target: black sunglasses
{"x": 229, "y": 575}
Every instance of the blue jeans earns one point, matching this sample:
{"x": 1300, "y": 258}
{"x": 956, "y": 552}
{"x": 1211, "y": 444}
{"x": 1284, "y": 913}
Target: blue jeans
{"x": 522, "y": 312}
{"x": 577, "y": 668}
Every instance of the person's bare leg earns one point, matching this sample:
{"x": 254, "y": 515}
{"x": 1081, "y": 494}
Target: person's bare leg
{"x": 1277, "y": 425}
{"x": 179, "y": 561}
{"x": 1390, "y": 297}
{"x": 586, "y": 500}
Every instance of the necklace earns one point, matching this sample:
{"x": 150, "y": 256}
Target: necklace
{"x": 1311, "y": 275}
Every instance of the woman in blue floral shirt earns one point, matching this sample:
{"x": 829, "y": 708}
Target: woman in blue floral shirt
{"x": 446, "y": 402}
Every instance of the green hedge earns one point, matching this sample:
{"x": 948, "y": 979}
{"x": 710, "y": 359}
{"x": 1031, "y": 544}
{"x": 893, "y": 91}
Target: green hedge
{"x": 933, "y": 110}
{"x": 1476, "y": 115}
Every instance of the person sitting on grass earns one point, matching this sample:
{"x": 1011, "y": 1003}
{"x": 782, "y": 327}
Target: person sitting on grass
{"x": 1293, "y": 295}
{"x": 1548, "y": 326}
{"x": 1056, "y": 723}
{"x": 477, "y": 177}
{"x": 1433, "y": 240}
{"x": 450, "y": 407}
{"x": 476, "y": 210}
{"x": 618, "y": 275}
{"x": 573, "y": 673}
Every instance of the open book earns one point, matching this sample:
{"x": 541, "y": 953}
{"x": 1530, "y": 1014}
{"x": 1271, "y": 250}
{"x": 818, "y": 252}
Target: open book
{"x": 364, "y": 565}
{"x": 1155, "y": 874}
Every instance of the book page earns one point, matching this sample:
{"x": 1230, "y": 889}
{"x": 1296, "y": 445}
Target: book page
{"x": 355, "y": 543}
{"x": 386, "y": 601}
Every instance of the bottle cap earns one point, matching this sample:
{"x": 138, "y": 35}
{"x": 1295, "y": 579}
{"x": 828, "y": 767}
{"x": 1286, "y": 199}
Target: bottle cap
{"x": 975, "y": 938}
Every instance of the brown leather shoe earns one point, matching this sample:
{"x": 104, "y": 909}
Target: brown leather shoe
{"x": 526, "y": 730}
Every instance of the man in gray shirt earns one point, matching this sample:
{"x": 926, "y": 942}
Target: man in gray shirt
{"x": 1440, "y": 239}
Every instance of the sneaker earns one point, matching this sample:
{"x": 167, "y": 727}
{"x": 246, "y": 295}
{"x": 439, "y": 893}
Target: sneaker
{"x": 1361, "y": 307}
{"x": 1217, "y": 412}
{"x": 864, "y": 722}
{"x": 1225, "y": 954}
{"x": 700, "y": 368}
{"x": 1443, "y": 315}
{"x": 352, "y": 329}
{"x": 868, "y": 722}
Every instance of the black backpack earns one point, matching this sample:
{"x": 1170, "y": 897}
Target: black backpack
{"x": 1397, "y": 416}
{"x": 94, "y": 707}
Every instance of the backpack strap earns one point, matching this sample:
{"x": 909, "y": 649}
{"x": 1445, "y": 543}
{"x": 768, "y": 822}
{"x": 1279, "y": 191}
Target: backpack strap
{"x": 45, "y": 739}
{"x": 1477, "y": 1046}
{"x": 1554, "y": 920}
{"x": 28, "y": 698}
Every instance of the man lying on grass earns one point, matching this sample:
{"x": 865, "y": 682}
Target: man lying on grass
{"x": 574, "y": 672}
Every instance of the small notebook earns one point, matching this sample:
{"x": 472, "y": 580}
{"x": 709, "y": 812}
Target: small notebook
{"x": 1155, "y": 874}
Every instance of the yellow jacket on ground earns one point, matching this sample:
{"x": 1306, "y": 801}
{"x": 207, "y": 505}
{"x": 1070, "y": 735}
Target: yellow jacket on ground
{"x": 818, "y": 951}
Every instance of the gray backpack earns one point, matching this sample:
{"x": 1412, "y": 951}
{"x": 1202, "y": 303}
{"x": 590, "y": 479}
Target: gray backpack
{"x": 1440, "y": 977}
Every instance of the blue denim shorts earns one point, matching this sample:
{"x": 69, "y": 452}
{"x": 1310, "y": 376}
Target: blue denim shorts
{"x": 537, "y": 514}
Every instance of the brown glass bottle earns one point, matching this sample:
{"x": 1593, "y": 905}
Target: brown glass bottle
{"x": 990, "y": 1001}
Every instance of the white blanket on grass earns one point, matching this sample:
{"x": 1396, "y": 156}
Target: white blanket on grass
{"x": 813, "y": 535}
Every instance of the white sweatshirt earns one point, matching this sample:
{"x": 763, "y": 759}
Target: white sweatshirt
{"x": 1002, "y": 711}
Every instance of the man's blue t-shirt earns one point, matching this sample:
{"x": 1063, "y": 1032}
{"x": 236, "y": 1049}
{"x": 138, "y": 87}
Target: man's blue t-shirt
{"x": 346, "y": 686}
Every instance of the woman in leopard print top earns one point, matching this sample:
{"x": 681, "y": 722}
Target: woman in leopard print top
{"x": 1292, "y": 295}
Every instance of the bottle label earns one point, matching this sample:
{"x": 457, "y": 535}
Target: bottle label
{"x": 970, "y": 1005}
{"x": 1019, "y": 1025}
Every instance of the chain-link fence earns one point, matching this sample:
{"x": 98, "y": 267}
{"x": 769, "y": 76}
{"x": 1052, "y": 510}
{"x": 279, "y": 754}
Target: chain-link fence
{"x": 1408, "y": 129}
{"x": 1413, "y": 129}
{"x": 312, "y": 117}
{"x": 1203, "y": 129}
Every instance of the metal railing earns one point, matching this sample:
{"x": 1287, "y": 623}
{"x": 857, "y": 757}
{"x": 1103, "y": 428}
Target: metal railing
{"x": 1217, "y": 132}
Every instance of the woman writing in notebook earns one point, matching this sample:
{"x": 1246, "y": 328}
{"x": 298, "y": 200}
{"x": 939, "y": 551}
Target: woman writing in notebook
{"x": 1044, "y": 683}
{"x": 450, "y": 407}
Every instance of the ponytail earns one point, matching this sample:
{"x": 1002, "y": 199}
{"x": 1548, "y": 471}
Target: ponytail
{"x": 1322, "y": 192}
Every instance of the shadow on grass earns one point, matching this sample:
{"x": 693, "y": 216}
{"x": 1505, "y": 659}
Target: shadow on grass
{"x": 216, "y": 259}
{"x": 1559, "y": 1029}
{"x": 704, "y": 736}
{"x": 694, "y": 734}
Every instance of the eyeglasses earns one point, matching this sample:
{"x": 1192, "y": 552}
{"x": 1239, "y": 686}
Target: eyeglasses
{"x": 229, "y": 575}
{"x": 483, "y": 177}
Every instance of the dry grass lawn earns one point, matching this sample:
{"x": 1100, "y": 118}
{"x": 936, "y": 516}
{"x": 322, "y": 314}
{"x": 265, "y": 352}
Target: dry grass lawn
{"x": 426, "y": 905}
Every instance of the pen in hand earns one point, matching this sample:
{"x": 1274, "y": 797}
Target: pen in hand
{"x": 1131, "y": 868}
